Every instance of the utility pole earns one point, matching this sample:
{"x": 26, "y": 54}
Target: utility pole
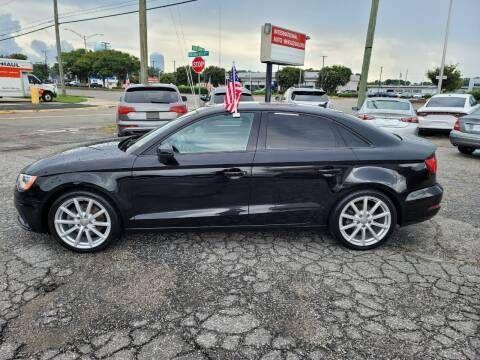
{"x": 174, "y": 66}
{"x": 445, "y": 41}
{"x": 142, "y": 17}
{"x": 59, "y": 48}
{"x": 367, "y": 53}
{"x": 323, "y": 60}
{"x": 380, "y": 81}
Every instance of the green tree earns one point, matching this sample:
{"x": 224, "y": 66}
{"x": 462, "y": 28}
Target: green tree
{"x": 181, "y": 75}
{"x": 454, "y": 77}
{"x": 167, "y": 78}
{"x": 289, "y": 76}
{"x": 17, "y": 56}
{"x": 216, "y": 74}
{"x": 107, "y": 63}
{"x": 330, "y": 77}
{"x": 40, "y": 70}
{"x": 78, "y": 63}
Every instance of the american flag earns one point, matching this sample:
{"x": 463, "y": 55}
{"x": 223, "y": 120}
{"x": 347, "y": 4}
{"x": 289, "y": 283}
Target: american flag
{"x": 234, "y": 91}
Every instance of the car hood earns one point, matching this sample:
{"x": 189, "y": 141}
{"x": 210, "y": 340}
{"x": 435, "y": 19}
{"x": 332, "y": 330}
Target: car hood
{"x": 99, "y": 156}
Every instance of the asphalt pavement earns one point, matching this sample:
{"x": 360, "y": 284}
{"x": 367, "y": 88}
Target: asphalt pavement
{"x": 239, "y": 294}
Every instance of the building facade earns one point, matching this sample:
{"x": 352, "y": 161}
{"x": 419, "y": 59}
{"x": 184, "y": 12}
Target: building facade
{"x": 157, "y": 61}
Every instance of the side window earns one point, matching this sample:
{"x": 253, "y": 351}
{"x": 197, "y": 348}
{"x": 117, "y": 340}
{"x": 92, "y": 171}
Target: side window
{"x": 219, "y": 133}
{"x": 33, "y": 80}
{"x": 299, "y": 132}
{"x": 350, "y": 138}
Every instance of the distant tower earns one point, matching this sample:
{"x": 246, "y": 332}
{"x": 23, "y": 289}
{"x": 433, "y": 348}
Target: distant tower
{"x": 157, "y": 61}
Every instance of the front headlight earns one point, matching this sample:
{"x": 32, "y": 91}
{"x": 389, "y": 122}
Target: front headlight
{"x": 25, "y": 182}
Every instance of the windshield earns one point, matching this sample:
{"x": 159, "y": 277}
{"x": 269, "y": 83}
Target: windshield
{"x": 219, "y": 98}
{"x": 447, "y": 101}
{"x": 131, "y": 144}
{"x": 309, "y": 96}
{"x": 387, "y": 105}
{"x": 159, "y": 95}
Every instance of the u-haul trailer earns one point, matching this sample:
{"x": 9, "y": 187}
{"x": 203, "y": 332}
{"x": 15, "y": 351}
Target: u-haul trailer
{"x": 16, "y": 78}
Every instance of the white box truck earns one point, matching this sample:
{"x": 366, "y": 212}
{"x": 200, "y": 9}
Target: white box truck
{"x": 16, "y": 78}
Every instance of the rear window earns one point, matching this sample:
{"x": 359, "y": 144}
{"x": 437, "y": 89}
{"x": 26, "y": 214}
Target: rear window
{"x": 387, "y": 105}
{"x": 219, "y": 98}
{"x": 309, "y": 96}
{"x": 447, "y": 101}
{"x": 151, "y": 95}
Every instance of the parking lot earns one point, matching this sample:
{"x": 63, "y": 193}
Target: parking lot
{"x": 239, "y": 294}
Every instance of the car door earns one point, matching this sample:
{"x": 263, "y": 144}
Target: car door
{"x": 298, "y": 168}
{"x": 209, "y": 182}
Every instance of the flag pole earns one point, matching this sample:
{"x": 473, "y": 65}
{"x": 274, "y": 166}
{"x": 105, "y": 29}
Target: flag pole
{"x": 236, "y": 114}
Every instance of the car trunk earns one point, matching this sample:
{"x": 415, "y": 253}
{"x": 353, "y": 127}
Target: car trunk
{"x": 389, "y": 119}
{"x": 439, "y": 117}
{"x": 470, "y": 125}
{"x": 151, "y": 112}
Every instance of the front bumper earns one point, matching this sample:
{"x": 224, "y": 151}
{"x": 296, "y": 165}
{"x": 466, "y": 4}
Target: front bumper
{"x": 458, "y": 138}
{"x": 29, "y": 212}
{"x": 421, "y": 205}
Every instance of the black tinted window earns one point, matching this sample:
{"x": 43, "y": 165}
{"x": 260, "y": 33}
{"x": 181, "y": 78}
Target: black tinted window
{"x": 299, "y": 132}
{"x": 309, "y": 96}
{"x": 350, "y": 139}
{"x": 151, "y": 95}
{"x": 447, "y": 101}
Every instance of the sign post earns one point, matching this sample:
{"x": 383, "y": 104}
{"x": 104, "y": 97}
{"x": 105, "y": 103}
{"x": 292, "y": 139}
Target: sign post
{"x": 283, "y": 47}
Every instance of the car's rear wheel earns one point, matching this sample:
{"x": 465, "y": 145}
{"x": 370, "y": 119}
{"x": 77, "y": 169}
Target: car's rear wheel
{"x": 466, "y": 150}
{"x": 363, "y": 220}
{"x": 83, "y": 221}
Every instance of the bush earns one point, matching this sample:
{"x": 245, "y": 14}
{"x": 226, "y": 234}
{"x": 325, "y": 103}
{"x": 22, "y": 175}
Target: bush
{"x": 475, "y": 93}
{"x": 184, "y": 89}
{"x": 348, "y": 95}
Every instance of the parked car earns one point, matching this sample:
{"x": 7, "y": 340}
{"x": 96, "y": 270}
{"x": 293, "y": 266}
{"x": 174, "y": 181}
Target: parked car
{"x": 307, "y": 96}
{"x": 275, "y": 165}
{"x": 394, "y": 115}
{"x": 442, "y": 110}
{"x": 96, "y": 85}
{"x": 217, "y": 96}
{"x": 146, "y": 107}
{"x": 466, "y": 133}
{"x": 73, "y": 83}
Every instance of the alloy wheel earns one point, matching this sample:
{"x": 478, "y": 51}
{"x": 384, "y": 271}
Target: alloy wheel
{"x": 365, "y": 220}
{"x": 82, "y": 222}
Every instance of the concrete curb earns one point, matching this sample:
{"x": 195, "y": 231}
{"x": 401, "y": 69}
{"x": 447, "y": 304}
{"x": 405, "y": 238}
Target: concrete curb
{"x": 90, "y": 107}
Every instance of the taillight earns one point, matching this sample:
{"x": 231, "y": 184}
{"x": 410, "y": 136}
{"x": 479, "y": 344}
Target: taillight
{"x": 412, "y": 119}
{"x": 124, "y": 110}
{"x": 457, "y": 125}
{"x": 365, "y": 117}
{"x": 431, "y": 164}
{"x": 179, "y": 109}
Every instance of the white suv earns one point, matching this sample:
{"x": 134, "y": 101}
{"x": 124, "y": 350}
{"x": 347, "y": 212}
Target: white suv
{"x": 442, "y": 110}
{"x": 308, "y": 96}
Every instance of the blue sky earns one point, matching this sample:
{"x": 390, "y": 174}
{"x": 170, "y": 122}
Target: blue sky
{"x": 409, "y": 33}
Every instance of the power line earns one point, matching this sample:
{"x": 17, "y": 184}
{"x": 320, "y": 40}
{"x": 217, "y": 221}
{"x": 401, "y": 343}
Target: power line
{"x": 99, "y": 17}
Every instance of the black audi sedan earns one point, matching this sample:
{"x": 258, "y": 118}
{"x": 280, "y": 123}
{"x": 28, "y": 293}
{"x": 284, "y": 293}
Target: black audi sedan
{"x": 273, "y": 166}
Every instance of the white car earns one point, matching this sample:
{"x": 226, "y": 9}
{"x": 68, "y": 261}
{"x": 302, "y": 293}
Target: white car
{"x": 442, "y": 111}
{"x": 308, "y": 96}
{"x": 393, "y": 115}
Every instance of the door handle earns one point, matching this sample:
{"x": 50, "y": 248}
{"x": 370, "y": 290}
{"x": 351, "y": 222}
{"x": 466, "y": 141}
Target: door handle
{"x": 329, "y": 172}
{"x": 234, "y": 173}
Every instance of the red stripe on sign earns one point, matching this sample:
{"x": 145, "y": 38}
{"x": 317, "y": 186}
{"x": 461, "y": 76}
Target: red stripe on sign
{"x": 288, "y": 38}
{"x": 10, "y": 72}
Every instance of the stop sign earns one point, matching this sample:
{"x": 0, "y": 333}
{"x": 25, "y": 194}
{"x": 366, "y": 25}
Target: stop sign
{"x": 198, "y": 64}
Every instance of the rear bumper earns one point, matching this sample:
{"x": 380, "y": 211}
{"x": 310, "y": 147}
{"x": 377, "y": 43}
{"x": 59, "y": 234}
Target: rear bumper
{"x": 29, "y": 213}
{"x": 138, "y": 127}
{"x": 458, "y": 138}
{"x": 429, "y": 122}
{"x": 421, "y": 205}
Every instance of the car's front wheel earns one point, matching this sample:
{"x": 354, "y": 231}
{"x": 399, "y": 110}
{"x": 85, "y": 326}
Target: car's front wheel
{"x": 83, "y": 221}
{"x": 466, "y": 150}
{"x": 363, "y": 220}
{"x": 47, "y": 96}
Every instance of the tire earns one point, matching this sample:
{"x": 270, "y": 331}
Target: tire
{"x": 466, "y": 150}
{"x": 47, "y": 96}
{"x": 351, "y": 221}
{"x": 65, "y": 225}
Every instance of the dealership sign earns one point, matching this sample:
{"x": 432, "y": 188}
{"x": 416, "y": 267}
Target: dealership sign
{"x": 282, "y": 46}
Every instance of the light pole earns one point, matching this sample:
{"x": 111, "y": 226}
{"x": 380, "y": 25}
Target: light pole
{"x": 445, "y": 41}
{"x": 83, "y": 37}
{"x": 59, "y": 48}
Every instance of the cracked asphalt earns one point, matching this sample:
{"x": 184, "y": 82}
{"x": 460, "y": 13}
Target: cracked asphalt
{"x": 243, "y": 294}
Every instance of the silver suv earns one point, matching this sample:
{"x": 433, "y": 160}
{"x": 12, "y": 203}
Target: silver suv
{"x": 307, "y": 96}
{"x": 146, "y": 107}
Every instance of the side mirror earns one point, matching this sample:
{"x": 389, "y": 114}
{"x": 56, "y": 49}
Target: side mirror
{"x": 355, "y": 108}
{"x": 184, "y": 98}
{"x": 204, "y": 98}
{"x": 166, "y": 155}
